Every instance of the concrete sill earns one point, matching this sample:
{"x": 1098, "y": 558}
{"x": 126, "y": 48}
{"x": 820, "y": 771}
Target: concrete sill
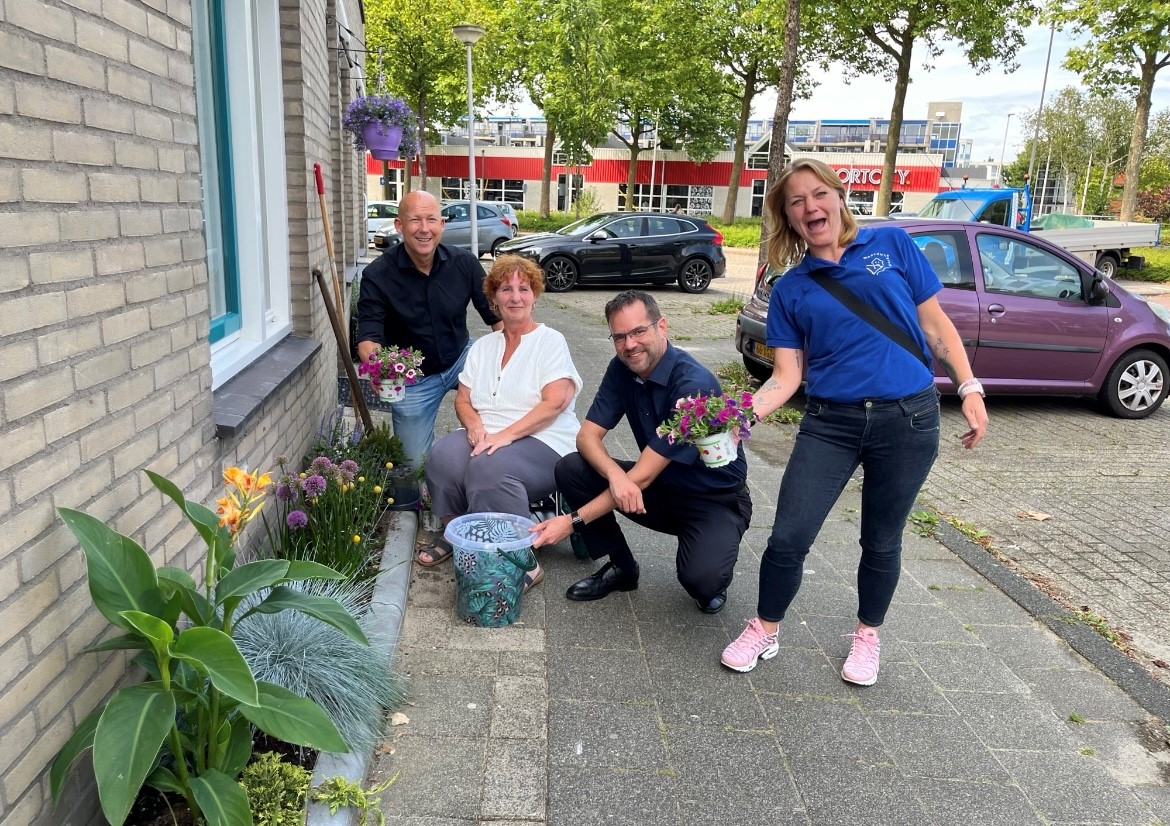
{"x": 238, "y": 401}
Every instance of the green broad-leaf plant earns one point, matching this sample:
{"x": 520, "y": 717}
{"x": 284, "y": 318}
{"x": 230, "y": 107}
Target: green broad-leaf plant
{"x": 187, "y": 729}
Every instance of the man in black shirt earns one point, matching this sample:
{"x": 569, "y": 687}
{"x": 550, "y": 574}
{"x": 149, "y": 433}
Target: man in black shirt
{"x": 416, "y": 295}
{"x": 668, "y": 489}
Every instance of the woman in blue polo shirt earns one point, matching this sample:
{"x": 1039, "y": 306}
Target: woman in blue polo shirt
{"x": 871, "y": 399}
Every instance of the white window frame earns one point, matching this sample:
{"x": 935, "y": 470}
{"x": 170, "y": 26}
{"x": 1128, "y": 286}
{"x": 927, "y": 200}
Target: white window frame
{"x": 259, "y": 186}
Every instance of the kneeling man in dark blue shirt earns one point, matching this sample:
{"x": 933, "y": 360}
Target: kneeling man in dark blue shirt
{"x": 668, "y": 489}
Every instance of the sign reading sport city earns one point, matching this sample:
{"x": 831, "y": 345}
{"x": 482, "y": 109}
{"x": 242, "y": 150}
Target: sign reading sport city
{"x": 915, "y": 178}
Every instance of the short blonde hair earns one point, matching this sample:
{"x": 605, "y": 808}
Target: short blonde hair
{"x": 784, "y": 245}
{"x": 504, "y": 268}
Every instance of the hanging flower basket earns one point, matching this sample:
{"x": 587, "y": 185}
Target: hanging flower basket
{"x": 384, "y": 125}
{"x": 382, "y": 141}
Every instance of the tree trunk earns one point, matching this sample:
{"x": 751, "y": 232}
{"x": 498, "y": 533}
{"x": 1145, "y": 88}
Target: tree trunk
{"x": 745, "y": 113}
{"x": 546, "y": 170}
{"x": 422, "y": 142}
{"x": 1137, "y": 140}
{"x": 783, "y": 106}
{"x": 890, "y": 158}
{"x": 635, "y": 147}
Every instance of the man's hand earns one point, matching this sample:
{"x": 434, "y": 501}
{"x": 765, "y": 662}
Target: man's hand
{"x": 627, "y": 496}
{"x": 551, "y": 531}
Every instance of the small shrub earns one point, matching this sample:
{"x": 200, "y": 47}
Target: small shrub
{"x": 530, "y": 220}
{"x": 726, "y": 306}
{"x": 337, "y": 792}
{"x": 745, "y": 232}
{"x": 276, "y": 790}
{"x": 356, "y": 685}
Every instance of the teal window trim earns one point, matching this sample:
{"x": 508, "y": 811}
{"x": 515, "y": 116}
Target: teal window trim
{"x": 230, "y": 321}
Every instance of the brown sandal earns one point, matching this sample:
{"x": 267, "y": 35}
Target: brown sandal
{"x": 439, "y": 553}
{"x": 533, "y": 577}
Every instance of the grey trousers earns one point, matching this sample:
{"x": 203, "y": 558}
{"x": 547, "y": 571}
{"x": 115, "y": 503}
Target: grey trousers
{"x": 504, "y": 482}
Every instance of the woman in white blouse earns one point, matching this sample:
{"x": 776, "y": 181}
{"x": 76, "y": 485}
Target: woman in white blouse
{"x": 515, "y": 402}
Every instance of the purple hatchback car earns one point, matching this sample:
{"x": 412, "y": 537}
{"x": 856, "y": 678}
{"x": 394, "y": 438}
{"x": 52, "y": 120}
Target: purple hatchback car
{"x": 1034, "y": 319}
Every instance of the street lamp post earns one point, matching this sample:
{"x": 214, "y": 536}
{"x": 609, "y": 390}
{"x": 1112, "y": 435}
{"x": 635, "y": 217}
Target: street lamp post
{"x": 468, "y": 35}
{"x": 1003, "y": 150}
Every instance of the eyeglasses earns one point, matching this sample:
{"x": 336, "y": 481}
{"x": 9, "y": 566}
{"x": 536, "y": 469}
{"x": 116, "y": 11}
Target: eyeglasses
{"x": 636, "y": 333}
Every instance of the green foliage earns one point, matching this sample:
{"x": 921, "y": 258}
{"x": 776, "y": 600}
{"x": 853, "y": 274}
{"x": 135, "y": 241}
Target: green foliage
{"x": 924, "y": 523}
{"x": 337, "y": 792}
{"x": 744, "y": 232}
{"x": 976, "y": 534}
{"x": 531, "y": 221}
{"x": 1099, "y": 624}
{"x": 1076, "y": 718}
{"x": 188, "y": 728}
{"x": 726, "y": 306}
{"x": 355, "y": 684}
{"x": 1157, "y": 267}
{"x": 276, "y": 790}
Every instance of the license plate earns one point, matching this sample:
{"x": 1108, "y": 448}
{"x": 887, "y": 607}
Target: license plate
{"x": 762, "y": 350}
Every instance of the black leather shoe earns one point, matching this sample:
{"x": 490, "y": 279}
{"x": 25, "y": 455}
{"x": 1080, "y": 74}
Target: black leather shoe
{"x": 603, "y": 583}
{"x": 715, "y": 605}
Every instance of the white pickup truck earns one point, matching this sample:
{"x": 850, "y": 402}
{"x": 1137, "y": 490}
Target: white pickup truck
{"x": 1103, "y": 243}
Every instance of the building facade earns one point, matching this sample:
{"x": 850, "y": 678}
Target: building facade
{"x": 160, "y": 224}
{"x": 509, "y": 154}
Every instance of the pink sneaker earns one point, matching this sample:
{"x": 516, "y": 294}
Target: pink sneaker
{"x": 748, "y": 647}
{"x": 861, "y": 668}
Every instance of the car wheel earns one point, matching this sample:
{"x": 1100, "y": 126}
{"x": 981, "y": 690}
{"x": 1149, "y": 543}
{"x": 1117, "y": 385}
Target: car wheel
{"x": 695, "y": 275}
{"x": 496, "y": 247}
{"x": 759, "y": 372}
{"x": 1108, "y": 264}
{"x": 560, "y": 274}
{"x": 1136, "y": 386}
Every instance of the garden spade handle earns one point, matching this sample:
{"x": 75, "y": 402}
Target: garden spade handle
{"x": 329, "y": 241}
{"x": 355, "y": 390}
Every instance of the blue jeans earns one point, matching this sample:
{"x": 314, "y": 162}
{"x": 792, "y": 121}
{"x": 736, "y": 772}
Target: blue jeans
{"x": 895, "y": 442}
{"x": 414, "y": 416}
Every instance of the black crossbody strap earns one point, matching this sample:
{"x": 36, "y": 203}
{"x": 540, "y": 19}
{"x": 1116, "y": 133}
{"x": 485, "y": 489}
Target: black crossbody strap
{"x": 868, "y": 314}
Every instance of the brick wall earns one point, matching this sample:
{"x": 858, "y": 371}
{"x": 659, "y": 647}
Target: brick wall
{"x": 104, "y": 316}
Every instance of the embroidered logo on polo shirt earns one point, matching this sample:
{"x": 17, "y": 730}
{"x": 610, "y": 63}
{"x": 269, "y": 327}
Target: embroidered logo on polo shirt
{"x": 875, "y": 262}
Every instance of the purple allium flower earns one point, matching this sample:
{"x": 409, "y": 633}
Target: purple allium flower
{"x": 284, "y": 492}
{"x": 320, "y": 466}
{"x": 348, "y": 469}
{"x": 314, "y": 485}
{"x": 296, "y": 520}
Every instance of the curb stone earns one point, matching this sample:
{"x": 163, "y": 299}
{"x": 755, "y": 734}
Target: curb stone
{"x": 387, "y": 605}
{"x": 1130, "y": 677}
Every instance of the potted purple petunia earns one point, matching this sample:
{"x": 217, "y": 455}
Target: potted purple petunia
{"x": 381, "y": 124}
{"x": 714, "y": 424}
{"x": 391, "y": 369}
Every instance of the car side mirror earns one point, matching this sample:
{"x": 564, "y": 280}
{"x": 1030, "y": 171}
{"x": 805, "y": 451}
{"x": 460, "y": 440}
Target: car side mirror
{"x": 1098, "y": 290}
{"x": 597, "y": 235}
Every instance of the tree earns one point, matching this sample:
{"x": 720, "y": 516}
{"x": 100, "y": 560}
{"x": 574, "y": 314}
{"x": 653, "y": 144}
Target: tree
{"x": 426, "y": 65}
{"x": 662, "y": 84}
{"x": 561, "y": 51}
{"x": 1130, "y": 44}
{"x": 986, "y": 30}
{"x": 788, "y": 69}
{"x": 744, "y": 34}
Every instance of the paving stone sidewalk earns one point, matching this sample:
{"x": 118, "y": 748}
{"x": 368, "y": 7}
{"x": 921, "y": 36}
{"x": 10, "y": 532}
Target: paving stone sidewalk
{"x": 618, "y": 712}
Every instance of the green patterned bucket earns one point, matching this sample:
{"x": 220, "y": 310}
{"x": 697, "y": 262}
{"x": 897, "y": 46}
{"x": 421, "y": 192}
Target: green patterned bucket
{"x": 493, "y": 551}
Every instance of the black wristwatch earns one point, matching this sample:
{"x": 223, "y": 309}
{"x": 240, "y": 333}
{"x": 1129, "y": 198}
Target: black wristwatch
{"x": 577, "y": 520}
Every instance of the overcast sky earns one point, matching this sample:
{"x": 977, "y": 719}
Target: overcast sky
{"x": 987, "y": 99}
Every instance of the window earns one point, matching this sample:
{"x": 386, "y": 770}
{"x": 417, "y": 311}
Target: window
{"x": 625, "y": 228}
{"x": 948, "y": 255}
{"x": 759, "y": 188}
{"x": 240, "y": 122}
{"x": 1015, "y": 267}
{"x": 665, "y": 226}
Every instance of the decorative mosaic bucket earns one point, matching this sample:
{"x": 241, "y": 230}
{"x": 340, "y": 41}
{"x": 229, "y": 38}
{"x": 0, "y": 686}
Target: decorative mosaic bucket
{"x": 493, "y": 551}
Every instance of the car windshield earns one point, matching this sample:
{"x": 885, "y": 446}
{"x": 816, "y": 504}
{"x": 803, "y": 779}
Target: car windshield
{"x": 585, "y": 225}
{"x": 962, "y": 209}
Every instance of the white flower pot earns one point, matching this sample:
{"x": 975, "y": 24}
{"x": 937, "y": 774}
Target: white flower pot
{"x": 717, "y": 450}
{"x": 391, "y": 391}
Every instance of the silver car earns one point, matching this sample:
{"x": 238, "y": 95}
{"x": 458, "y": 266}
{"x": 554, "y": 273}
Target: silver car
{"x": 492, "y": 227}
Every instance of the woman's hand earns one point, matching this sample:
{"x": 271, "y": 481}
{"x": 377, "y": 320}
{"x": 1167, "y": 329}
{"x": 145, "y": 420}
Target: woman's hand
{"x": 975, "y": 412}
{"x": 475, "y": 435}
{"x": 490, "y": 442}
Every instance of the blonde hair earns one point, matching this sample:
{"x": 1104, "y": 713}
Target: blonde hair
{"x": 784, "y": 245}
{"x": 504, "y": 268}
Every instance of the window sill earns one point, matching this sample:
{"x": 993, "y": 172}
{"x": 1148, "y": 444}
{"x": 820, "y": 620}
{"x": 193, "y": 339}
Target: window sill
{"x": 240, "y": 399}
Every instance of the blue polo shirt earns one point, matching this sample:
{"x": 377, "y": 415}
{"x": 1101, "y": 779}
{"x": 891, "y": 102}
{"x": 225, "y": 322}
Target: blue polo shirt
{"x": 848, "y": 359}
{"x": 647, "y": 404}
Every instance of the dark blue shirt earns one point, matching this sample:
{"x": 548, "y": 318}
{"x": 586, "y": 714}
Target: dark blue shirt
{"x": 848, "y": 358}
{"x": 647, "y": 404}
{"x": 400, "y": 306}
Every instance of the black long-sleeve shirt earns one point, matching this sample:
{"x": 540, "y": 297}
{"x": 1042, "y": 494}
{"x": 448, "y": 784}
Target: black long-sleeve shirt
{"x": 399, "y": 306}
